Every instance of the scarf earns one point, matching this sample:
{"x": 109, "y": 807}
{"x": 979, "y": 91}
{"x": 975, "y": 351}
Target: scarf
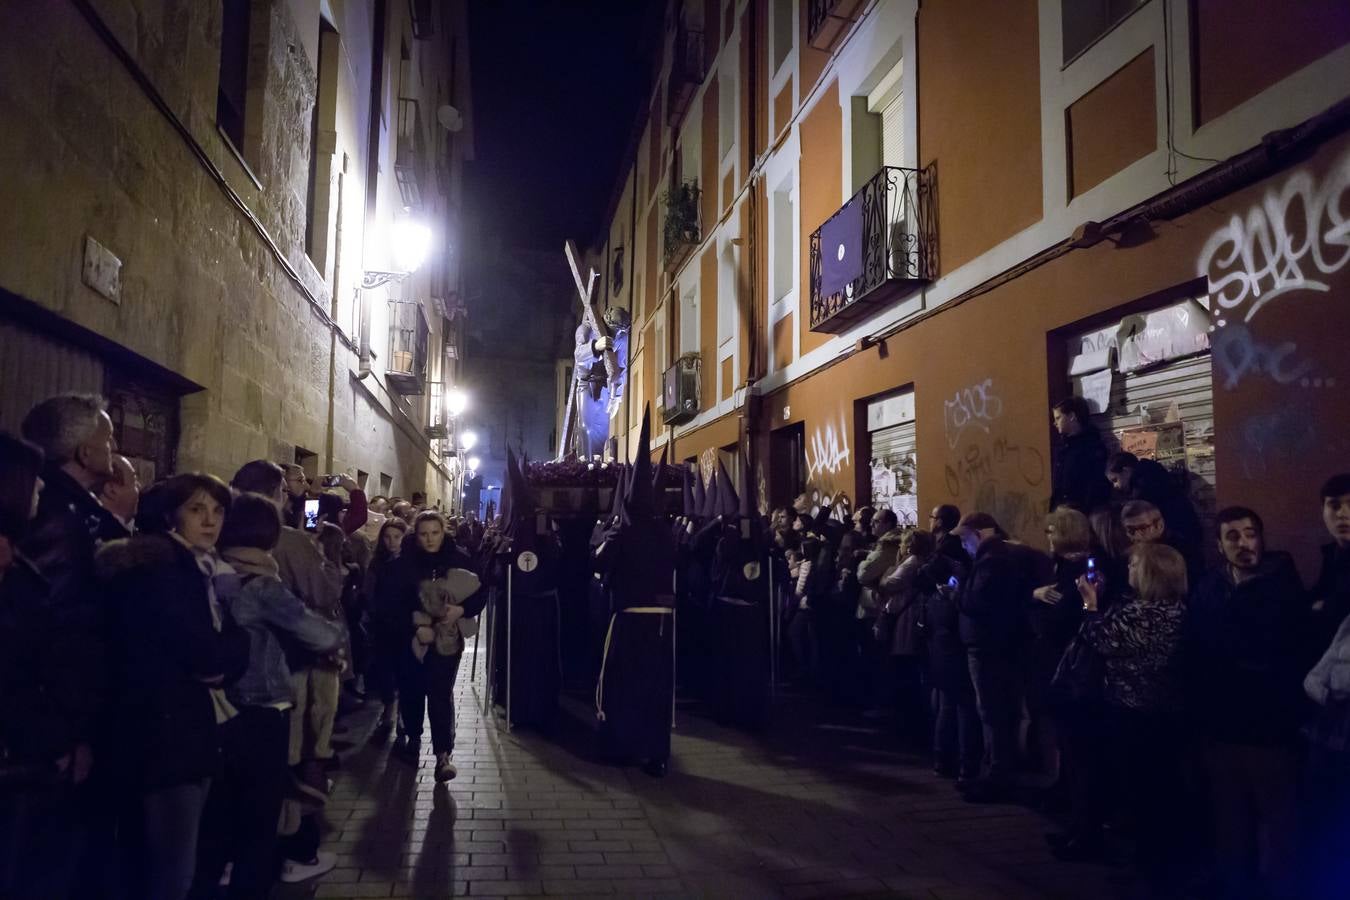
{"x": 220, "y": 578}
{"x": 251, "y": 561}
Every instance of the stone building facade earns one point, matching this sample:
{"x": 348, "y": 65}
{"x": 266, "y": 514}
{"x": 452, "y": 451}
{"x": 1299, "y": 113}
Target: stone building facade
{"x": 1140, "y": 203}
{"x": 198, "y": 192}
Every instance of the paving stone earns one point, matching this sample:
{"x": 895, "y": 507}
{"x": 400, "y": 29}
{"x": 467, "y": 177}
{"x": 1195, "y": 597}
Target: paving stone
{"x": 803, "y": 810}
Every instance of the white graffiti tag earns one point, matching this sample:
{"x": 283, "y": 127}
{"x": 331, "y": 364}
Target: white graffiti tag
{"x": 976, "y": 406}
{"x": 1298, "y": 234}
{"x": 827, "y": 452}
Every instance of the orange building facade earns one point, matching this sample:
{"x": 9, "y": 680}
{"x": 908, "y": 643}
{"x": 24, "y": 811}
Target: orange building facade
{"x": 1148, "y": 209}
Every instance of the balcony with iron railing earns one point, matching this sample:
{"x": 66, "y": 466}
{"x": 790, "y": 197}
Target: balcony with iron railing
{"x": 682, "y": 232}
{"x": 409, "y": 154}
{"x": 828, "y": 20}
{"x": 406, "y": 369}
{"x": 687, "y": 68}
{"x": 880, "y": 246}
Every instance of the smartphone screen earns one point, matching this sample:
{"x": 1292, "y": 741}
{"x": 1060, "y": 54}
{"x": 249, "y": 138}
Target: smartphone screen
{"x": 332, "y": 480}
{"x": 311, "y": 515}
{"x": 1092, "y": 569}
{"x": 953, "y": 583}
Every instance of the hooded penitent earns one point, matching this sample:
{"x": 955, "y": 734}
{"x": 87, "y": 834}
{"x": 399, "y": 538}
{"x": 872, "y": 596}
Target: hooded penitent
{"x": 659, "y": 481}
{"x": 729, "y": 503}
{"x": 690, "y": 510}
{"x": 700, "y": 493}
{"x": 711, "y": 502}
{"x": 640, "y": 551}
{"x": 523, "y": 526}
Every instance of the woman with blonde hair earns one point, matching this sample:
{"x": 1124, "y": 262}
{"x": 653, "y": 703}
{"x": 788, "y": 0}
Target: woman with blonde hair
{"x": 1140, "y": 640}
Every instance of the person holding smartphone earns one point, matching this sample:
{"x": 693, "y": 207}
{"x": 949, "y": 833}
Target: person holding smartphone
{"x": 1140, "y": 639}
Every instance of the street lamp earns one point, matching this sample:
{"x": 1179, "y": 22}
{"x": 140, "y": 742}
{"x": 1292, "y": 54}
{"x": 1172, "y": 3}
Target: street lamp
{"x": 474, "y": 463}
{"x": 467, "y": 440}
{"x": 456, "y": 401}
{"x": 409, "y": 243}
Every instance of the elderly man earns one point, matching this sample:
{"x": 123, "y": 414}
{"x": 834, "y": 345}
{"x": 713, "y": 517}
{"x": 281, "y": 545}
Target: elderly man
{"x": 121, "y": 496}
{"x": 1144, "y": 523}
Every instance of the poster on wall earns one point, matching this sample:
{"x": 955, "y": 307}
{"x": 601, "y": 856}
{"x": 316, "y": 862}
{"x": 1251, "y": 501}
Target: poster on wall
{"x": 1164, "y": 442}
{"x": 894, "y": 487}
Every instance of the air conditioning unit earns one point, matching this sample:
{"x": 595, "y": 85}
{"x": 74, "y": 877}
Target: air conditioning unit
{"x": 679, "y": 390}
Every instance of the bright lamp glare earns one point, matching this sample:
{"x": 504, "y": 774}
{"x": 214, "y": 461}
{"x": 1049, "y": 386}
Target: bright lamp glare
{"x": 409, "y": 244}
{"x": 456, "y": 402}
{"x": 474, "y": 463}
{"x": 467, "y": 440}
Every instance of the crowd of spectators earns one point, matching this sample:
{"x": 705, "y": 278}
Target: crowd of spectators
{"x": 1194, "y": 699}
{"x": 175, "y": 660}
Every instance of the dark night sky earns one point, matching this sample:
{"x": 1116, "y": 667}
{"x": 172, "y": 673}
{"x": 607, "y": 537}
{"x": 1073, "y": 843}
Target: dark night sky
{"x": 556, "y": 86}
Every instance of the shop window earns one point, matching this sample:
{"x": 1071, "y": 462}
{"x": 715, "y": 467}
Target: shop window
{"x": 1147, "y": 380}
{"x": 894, "y": 456}
{"x": 1084, "y": 22}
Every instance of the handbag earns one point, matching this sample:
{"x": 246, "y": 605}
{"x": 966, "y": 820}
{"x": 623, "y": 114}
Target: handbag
{"x": 1079, "y": 675}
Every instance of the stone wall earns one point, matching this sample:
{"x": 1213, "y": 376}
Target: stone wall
{"x": 86, "y": 152}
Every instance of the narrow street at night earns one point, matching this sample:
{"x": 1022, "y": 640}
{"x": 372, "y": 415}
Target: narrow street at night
{"x": 822, "y": 806}
{"x": 695, "y": 448}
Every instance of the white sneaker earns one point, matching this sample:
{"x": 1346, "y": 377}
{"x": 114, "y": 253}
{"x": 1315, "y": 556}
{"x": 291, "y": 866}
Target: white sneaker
{"x": 445, "y": 769}
{"x": 292, "y": 871}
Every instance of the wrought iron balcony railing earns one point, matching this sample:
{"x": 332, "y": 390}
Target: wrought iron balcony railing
{"x": 682, "y": 232}
{"x": 406, "y": 370}
{"x": 879, "y": 246}
{"x": 408, "y": 154}
{"x": 827, "y": 20}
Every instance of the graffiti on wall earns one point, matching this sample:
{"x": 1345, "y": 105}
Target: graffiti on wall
{"x": 997, "y": 460}
{"x": 977, "y": 406}
{"x": 826, "y": 452}
{"x": 1292, "y": 240}
{"x": 1238, "y": 353}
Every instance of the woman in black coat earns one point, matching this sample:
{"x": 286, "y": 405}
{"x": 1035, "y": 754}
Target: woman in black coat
{"x": 386, "y": 624}
{"x": 173, "y": 648}
{"x": 427, "y": 679}
{"x": 1054, "y": 614}
{"x": 958, "y": 742}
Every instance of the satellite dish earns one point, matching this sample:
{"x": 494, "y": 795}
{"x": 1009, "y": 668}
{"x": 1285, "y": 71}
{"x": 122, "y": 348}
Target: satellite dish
{"x": 450, "y": 118}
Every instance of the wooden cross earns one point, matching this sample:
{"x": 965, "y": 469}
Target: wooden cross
{"x": 586, "y": 290}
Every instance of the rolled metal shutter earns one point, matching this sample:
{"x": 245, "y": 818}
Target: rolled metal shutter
{"x": 895, "y": 478}
{"x": 1145, "y": 397}
{"x": 34, "y": 367}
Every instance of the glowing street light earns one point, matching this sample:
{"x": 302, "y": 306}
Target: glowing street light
{"x": 409, "y": 244}
{"x": 474, "y": 463}
{"x": 467, "y": 440}
{"x": 456, "y": 401}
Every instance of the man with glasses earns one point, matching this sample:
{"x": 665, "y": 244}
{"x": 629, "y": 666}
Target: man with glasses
{"x": 1144, "y": 524}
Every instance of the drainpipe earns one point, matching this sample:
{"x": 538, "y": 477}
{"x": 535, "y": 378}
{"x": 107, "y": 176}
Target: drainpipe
{"x": 329, "y": 435}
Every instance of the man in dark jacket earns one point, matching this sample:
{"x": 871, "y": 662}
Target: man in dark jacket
{"x": 1247, "y": 621}
{"x": 75, "y": 435}
{"x": 1145, "y": 479}
{"x": 1331, "y": 594}
{"x": 1077, "y": 479}
{"x": 993, "y": 605}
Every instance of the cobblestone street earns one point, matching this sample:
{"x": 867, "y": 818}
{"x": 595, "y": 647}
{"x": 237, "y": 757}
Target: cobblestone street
{"x": 820, "y": 811}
